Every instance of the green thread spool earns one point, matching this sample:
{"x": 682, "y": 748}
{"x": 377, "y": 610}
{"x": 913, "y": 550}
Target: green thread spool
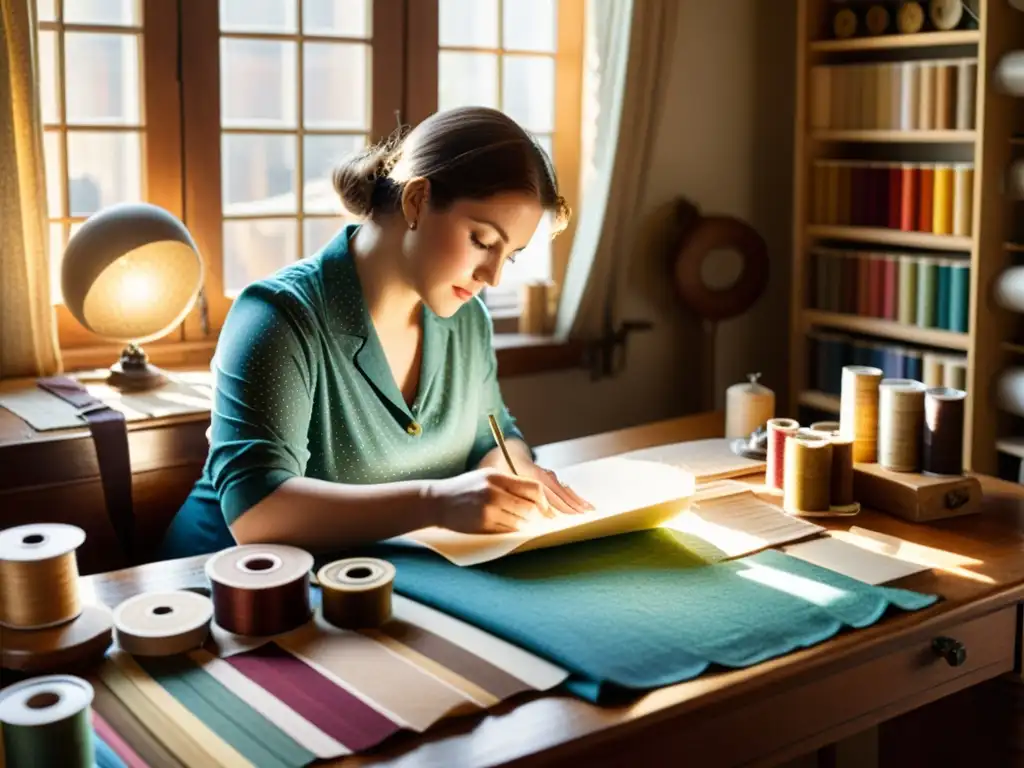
{"x": 927, "y": 286}
{"x": 907, "y": 312}
{"x": 959, "y": 296}
{"x": 46, "y": 722}
{"x": 942, "y": 302}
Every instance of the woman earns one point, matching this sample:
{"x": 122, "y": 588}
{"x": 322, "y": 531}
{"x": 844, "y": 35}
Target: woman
{"x": 353, "y": 388}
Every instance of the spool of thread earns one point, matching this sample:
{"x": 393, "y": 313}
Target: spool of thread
{"x": 900, "y": 422}
{"x": 963, "y": 197}
{"x": 533, "y": 311}
{"x": 778, "y": 430}
{"x": 825, "y": 427}
{"x": 943, "y": 443}
{"x": 39, "y": 575}
{"x": 356, "y": 592}
{"x": 841, "y": 501}
{"x": 1009, "y": 74}
{"x": 858, "y": 410}
{"x": 808, "y": 469}
{"x": 162, "y": 623}
{"x": 46, "y": 721}
{"x": 1009, "y": 289}
{"x": 748, "y": 407}
{"x": 1010, "y": 391}
{"x": 966, "y": 77}
{"x": 260, "y": 589}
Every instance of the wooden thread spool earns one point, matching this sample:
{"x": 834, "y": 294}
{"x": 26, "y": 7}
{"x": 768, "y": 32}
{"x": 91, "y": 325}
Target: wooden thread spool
{"x": 778, "y": 430}
{"x": 841, "y": 501}
{"x": 47, "y": 722}
{"x": 900, "y": 421}
{"x": 748, "y": 407}
{"x": 858, "y": 410}
{"x": 162, "y": 623}
{"x": 356, "y": 592}
{"x": 943, "y": 443}
{"x": 808, "y": 484}
{"x": 39, "y": 575}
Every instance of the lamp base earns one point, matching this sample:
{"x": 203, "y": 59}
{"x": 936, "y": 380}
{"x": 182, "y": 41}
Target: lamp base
{"x": 133, "y": 372}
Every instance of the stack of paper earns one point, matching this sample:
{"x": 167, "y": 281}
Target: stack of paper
{"x": 705, "y": 459}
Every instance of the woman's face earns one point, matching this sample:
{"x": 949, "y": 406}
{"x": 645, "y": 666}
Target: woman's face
{"x": 457, "y": 252}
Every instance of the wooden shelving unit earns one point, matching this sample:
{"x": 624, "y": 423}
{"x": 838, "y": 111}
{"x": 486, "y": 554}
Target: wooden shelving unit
{"x": 993, "y": 138}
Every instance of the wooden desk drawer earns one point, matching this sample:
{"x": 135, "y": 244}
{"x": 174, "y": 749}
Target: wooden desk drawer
{"x": 799, "y": 716}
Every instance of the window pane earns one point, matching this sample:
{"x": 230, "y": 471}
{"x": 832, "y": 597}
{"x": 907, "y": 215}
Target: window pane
{"x": 320, "y": 154}
{"x": 54, "y": 174}
{"x": 466, "y": 79}
{"x": 111, "y": 12}
{"x": 256, "y": 249}
{"x": 346, "y": 18}
{"x": 529, "y": 91}
{"x": 529, "y": 25}
{"x": 318, "y": 232}
{"x": 102, "y": 76}
{"x": 103, "y": 169}
{"x": 257, "y": 83}
{"x": 47, "y": 10}
{"x": 534, "y": 263}
{"x": 545, "y": 141}
{"x": 258, "y": 175}
{"x": 468, "y": 22}
{"x": 258, "y": 15}
{"x": 334, "y": 92}
{"x": 56, "y": 256}
{"x": 49, "y": 84}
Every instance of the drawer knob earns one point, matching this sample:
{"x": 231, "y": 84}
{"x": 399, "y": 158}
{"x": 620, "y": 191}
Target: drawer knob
{"x": 953, "y": 651}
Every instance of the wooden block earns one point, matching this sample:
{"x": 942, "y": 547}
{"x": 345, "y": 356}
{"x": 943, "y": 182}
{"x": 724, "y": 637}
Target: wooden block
{"x": 915, "y": 497}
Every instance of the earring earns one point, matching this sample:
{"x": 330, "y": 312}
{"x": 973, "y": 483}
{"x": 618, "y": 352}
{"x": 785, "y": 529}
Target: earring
{"x": 412, "y": 224}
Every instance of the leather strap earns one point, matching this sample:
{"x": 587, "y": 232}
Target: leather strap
{"x": 110, "y": 436}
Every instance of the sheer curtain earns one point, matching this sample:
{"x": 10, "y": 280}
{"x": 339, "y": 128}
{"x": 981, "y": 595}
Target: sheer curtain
{"x": 28, "y": 335}
{"x": 629, "y": 48}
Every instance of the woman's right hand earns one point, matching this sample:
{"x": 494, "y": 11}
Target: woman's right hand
{"x": 486, "y": 501}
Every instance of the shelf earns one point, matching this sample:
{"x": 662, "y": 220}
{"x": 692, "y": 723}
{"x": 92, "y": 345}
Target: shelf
{"x": 896, "y": 137}
{"x": 894, "y": 42}
{"x": 892, "y": 237}
{"x": 820, "y": 401}
{"x": 933, "y": 337}
{"x": 1014, "y": 446}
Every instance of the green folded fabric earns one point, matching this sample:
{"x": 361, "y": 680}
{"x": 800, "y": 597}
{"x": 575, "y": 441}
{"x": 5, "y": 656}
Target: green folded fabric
{"x": 640, "y": 611}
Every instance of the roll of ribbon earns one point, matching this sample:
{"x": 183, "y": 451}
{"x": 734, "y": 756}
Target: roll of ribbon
{"x": 162, "y": 623}
{"x": 858, "y": 410}
{"x": 943, "y": 444}
{"x": 778, "y": 430}
{"x": 39, "y": 575}
{"x": 900, "y": 423}
{"x": 808, "y": 469}
{"x": 260, "y": 589}
{"x": 748, "y": 407}
{"x": 47, "y": 722}
{"x": 356, "y": 592}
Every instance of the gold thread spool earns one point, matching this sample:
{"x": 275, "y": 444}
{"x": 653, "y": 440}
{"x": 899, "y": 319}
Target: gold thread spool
{"x": 39, "y": 575}
{"x": 162, "y": 623}
{"x": 808, "y": 471}
{"x": 858, "y": 410}
{"x": 47, "y": 722}
{"x": 900, "y": 424}
{"x": 841, "y": 501}
{"x": 356, "y": 592}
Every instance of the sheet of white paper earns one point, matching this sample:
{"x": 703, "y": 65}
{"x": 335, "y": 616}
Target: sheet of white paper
{"x": 629, "y": 495}
{"x": 728, "y": 521}
{"x": 853, "y": 556}
{"x": 707, "y": 459}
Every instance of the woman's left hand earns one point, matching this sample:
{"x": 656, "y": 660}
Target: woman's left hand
{"x": 560, "y": 496}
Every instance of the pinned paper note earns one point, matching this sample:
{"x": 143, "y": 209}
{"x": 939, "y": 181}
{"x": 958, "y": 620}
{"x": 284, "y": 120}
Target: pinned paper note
{"x": 628, "y": 495}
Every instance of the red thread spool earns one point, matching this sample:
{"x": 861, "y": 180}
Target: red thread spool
{"x": 778, "y": 430}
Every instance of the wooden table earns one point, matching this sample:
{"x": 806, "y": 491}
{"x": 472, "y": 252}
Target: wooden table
{"x": 779, "y": 709}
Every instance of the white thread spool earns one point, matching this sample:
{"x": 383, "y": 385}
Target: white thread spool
{"x": 748, "y": 406}
{"x": 1009, "y": 74}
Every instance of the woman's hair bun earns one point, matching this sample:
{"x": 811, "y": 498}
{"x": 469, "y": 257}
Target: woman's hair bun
{"x": 356, "y": 177}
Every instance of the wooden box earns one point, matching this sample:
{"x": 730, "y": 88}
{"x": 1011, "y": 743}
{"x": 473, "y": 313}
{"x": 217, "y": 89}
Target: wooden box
{"x": 913, "y": 496}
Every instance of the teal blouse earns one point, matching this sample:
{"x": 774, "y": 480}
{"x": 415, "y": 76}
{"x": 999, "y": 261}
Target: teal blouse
{"x": 302, "y": 388}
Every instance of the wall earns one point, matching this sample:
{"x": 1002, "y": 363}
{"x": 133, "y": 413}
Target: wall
{"x": 725, "y": 142}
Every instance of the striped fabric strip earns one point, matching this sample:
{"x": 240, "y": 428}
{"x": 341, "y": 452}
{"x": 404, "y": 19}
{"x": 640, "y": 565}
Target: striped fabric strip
{"x": 389, "y": 682}
{"x": 287, "y": 719}
{"x": 184, "y": 734}
{"x": 128, "y": 727}
{"x": 129, "y": 757}
{"x": 104, "y": 756}
{"x": 347, "y": 719}
{"x": 231, "y": 718}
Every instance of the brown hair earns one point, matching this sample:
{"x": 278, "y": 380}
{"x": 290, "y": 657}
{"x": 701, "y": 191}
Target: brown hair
{"x": 466, "y": 152}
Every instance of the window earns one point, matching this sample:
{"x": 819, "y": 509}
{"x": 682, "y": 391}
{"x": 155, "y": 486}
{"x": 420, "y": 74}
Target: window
{"x": 238, "y": 135}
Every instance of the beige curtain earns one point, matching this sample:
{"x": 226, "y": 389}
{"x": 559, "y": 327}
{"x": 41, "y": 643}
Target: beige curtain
{"x": 629, "y": 46}
{"x": 28, "y": 335}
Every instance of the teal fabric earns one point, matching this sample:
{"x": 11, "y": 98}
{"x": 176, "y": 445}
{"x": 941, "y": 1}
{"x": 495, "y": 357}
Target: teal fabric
{"x": 302, "y": 388}
{"x": 105, "y": 757}
{"x": 639, "y": 611}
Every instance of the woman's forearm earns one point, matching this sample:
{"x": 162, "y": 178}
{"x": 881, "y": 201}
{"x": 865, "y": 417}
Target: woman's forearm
{"x": 321, "y": 516}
